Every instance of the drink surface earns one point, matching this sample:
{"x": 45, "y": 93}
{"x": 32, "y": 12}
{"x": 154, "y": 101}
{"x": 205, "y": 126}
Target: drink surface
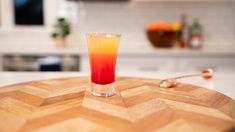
{"x": 103, "y": 55}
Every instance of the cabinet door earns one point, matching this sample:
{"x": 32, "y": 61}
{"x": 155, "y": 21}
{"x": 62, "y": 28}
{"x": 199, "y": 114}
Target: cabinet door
{"x": 219, "y": 64}
{"x": 136, "y": 63}
{"x": 145, "y": 64}
{"x": 84, "y": 64}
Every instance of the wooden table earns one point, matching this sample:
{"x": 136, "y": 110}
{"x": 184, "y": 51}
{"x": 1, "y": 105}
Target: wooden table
{"x": 66, "y": 104}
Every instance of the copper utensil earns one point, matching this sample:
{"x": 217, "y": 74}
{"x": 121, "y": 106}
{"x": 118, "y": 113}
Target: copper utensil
{"x": 172, "y": 82}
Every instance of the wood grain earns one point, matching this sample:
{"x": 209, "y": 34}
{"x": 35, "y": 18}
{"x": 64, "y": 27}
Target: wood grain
{"x": 66, "y": 104}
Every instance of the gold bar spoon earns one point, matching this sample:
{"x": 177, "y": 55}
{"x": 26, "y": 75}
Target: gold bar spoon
{"x": 172, "y": 82}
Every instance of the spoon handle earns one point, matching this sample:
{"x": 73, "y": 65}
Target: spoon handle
{"x": 186, "y": 76}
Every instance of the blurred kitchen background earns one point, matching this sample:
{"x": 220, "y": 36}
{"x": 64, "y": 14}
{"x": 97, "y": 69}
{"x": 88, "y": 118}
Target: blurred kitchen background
{"x": 26, "y": 45}
{"x": 26, "y": 27}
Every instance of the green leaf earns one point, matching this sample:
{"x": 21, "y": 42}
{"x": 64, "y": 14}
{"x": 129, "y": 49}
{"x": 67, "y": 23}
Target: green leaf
{"x": 62, "y": 28}
{"x": 54, "y": 35}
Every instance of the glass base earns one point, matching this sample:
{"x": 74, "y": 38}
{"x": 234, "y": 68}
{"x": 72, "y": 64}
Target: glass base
{"x": 103, "y": 90}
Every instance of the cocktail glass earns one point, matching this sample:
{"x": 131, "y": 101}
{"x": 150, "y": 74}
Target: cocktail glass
{"x": 103, "y": 50}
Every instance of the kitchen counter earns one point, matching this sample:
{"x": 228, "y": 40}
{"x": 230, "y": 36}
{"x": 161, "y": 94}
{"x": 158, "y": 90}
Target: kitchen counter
{"x": 222, "y": 82}
{"x": 41, "y": 48}
{"x": 137, "y": 57}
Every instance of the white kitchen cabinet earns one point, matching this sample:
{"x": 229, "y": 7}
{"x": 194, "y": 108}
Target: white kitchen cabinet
{"x": 1, "y": 63}
{"x": 168, "y": 63}
{"x": 138, "y": 59}
{"x": 84, "y": 63}
{"x": 154, "y": 63}
{"x": 137, "y": 63}
{"x": 218, "y": 64}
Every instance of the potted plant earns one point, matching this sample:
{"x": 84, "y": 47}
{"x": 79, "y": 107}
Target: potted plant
{"x": 62, "y": 30}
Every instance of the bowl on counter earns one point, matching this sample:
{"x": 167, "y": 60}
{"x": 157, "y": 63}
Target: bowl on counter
{"x": 162, "y": 35}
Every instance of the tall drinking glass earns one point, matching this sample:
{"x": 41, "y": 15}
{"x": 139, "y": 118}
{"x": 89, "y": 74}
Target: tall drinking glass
{"x": 103, "y": 50}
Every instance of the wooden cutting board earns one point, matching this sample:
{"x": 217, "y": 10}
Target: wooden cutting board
{"x": 141, "y": 105}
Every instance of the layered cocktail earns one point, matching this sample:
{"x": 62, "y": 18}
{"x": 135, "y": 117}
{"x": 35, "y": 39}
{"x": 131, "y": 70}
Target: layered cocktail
{"x": 103, "y": 49}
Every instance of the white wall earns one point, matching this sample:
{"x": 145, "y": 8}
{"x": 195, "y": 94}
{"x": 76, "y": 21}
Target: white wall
{"x": 132, "y": 18}
{"x": 129, "y": 18}
{"x": 7, "y": 17}
{"x": 32, "y": 35}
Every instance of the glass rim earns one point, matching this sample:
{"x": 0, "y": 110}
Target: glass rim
{"x": 103, "y": 34}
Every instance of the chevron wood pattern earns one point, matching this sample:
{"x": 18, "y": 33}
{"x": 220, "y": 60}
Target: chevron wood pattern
{"x": 65, "y": 104}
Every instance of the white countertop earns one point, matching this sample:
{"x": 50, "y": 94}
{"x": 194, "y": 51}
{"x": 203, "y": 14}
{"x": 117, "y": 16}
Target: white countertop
{"x": 222, "y": 82}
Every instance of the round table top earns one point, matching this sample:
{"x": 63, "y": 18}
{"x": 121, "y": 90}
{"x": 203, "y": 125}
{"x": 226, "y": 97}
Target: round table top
{"x": 65, "y": 104}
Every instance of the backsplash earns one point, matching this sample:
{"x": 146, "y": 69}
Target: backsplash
{"x": 131, "y": 18}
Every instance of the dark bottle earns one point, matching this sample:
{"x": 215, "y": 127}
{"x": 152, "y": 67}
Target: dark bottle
{"x": 183, "y": 34}
{"x": 195, "y": 31}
